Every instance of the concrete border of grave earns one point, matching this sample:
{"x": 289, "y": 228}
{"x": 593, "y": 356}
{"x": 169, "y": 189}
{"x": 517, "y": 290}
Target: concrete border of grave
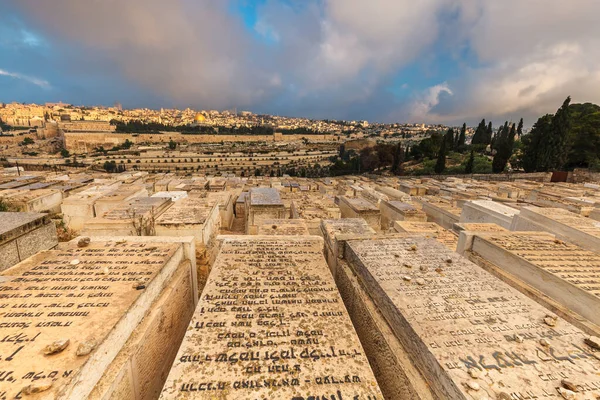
{"x": 568, "y": 299}
{"x": 130, "y": 360}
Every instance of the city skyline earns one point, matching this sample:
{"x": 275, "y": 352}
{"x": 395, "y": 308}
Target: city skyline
{"x": 443, "y": 61}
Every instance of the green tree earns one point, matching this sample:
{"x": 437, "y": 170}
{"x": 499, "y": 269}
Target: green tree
{"x": 554, "y": 150}
{"x": 532, "y": 142}
{"x": 547, "y": 147}
{"x": 469, "y": 166}
{"x": 480, "y": 135}
{"x": 504, "y": 147}
{"x": 398, "y": 159}
{"x": 584, "y": 136}
{"x": 440, "y": 165}
{"x": 462, "y": 137}
{"x": 65, "y": 153}
{"x": 172, "y": 144}
{"x": 488, "y": 134}
{"x": 449, "y": 139}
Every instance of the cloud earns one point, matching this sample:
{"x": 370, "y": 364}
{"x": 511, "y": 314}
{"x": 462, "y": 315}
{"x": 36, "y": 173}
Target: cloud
{"x": 426, "y": 101}
{"x": 332, "y": 58}
{"x": 35, "y": 81}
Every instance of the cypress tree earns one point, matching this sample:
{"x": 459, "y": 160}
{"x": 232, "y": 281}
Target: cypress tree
{"x": 480, "y": 133}
{"x": 488, "y": 134}
{"x": 449, "y": 139}
{"x": 398, "y": 159}
{"x": 470, "y": 163}
{"x": 520, "y": 128}
{"x": 505, "y": 140}
{"x": 462, "y": 137}
{"x": 440, "y": 165}
{"x": 532, "y": 144}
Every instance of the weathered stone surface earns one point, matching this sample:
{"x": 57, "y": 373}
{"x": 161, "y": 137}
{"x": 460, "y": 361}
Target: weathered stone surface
{"x": 392, "y": 211}
{"x": 464, "y": 318}
{"x": 397, "y": 376}
{"x": 442, "y": 213}
{"x": 487, "y": 211}
{"x": 136, "y": 217}
{"x": 190, "y": 216}
{"x": 283, "y": 227}
{"x": 51, "y": 306}
{"x": 263, "y": 204}
{"x": 336, "y": 231}
{"x": 565, "y": 225}
{"x": 360, "y": 208}
{"x": 428, "y": 229}
{"x": 23, "y": 235}
{"x": 565, "y": 272}
{"x": 270, "y": 324}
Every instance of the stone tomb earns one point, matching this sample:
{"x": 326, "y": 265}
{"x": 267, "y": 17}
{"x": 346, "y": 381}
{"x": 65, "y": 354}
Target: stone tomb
{"x": 136, "y": 217}
{"x": 360, "y": 208}
{"x": 270, "y": 324}
{"x": 428, "y": 229}
{"x": 397, "y": 376}
{"x": 122, "y": 305}
{"x": 283, "y": 227}
{"x": 470, "y": 334}
{"x": 336, "y": 231}
{"x": 113, "y": 199}
{"x": 442, "y": 213}
{"x": 566, "y": 273}
{"x": 23, "y": 235}
{"x": 392, "y": 211}
{"x": 190, "y": 216}
{"x": 487, "y": 211}
{"x": 78, "y": 208}
{"x": 263, "y": 204}
{"x": 565, "y": 225}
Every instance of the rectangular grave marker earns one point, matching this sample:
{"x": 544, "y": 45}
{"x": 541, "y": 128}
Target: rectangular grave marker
{"x": 271, "y": 324}
{"x": 470, "y": 334}
{"x": 92, "y": 296}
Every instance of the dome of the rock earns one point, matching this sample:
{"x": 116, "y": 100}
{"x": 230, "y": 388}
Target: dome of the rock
{"x": 199, "y": 118}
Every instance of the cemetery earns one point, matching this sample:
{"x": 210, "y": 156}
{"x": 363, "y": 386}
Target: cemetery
{"x": 141, "y": 285}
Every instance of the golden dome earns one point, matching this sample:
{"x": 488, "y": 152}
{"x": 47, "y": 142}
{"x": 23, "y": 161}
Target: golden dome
{"x": 199, "y": 118}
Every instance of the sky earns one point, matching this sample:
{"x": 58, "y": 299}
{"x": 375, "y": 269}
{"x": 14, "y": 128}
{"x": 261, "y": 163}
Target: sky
{"x": 425, "y": 61}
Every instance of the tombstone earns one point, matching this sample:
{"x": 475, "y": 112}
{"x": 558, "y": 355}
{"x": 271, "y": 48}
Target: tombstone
{"x": 565, "y": 225}
{"x": 566, "y": 273}
{"x": 190, "y": 216}
{"x": 270, "y": 324}
{"x": 430, "y": 230}
{"x": 97, "y": 320}
{"x": 392, "y": 211}
{"x": 113, "y": 199}
{"x": 470, "y": 334}
{"x": 466, "y": 232}
{"x": 23, "y": 235}
{"x": 397, "y": 376}
{"x": 174, "y": 196}
{"x": 136, "y": 217}
{"x": 283, "y": 227}
{"x": 240, "y": 205}
{"x": 40, "y": 200}
{"x": 263, "y": 204}
{"x": 336, "y": 231}
{"x": 224, "y": 200}
{"x": 78, "y": 208}
{"x": 360, "y": 208}
{"x": 487, "y": 211}
{"x": 442, "y": 213}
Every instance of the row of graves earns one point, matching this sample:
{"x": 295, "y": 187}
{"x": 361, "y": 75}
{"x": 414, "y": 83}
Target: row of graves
{"x": 477, "y": 298}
